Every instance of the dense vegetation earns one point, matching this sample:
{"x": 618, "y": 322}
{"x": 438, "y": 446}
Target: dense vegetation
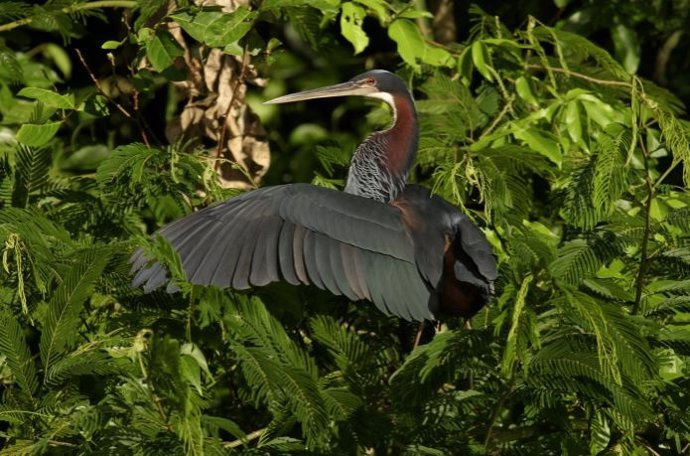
{"x": 119, "y": 116}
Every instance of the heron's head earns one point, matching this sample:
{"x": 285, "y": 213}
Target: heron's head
{"x": 374, "y": 84}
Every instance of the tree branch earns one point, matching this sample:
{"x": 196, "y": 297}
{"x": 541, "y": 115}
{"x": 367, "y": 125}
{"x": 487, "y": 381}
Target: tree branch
{"x": 249, "y": 437}
{"x": 606, "y": 82}
{"x": 74, "y": 9}
{"x": 496, "y": 411}
{"x": 639, "y": 280}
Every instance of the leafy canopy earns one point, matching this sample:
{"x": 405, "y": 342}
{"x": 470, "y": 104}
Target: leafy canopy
{"x": 576, "y": 167}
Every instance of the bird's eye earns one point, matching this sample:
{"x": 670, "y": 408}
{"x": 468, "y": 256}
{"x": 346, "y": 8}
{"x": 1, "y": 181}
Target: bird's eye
{"x": 370, "y": 81}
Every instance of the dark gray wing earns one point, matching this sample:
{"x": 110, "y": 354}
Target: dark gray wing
{"x": 437, "y": 227}
{"x": 475, "y": 246}
{"x": 300, "y": 233}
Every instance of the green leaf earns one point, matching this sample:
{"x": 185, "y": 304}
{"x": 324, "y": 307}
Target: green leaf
{"x": 110, "y": 44}
{"x": 576, "y": 260}
{"x": 214, "y": 28}
{"x": 162, "y": 50}
{"x": 86, "y": 360}
{"x": 379, "y": 7}
{"x": 465, "y": 65}
{"x": 12, "y": 69}
{"x": 195, "y": 24}
{"x": 541, "y": 142}
{"x": 481, "y": 59}
{"x": 195, "y": 353}
{"x": 351, "y": 21}
{"x": 15, "y": 350}
{"x": 190, "y": 371}
{"x": 36, "y": 135}
{"x": 627, "y": 47}
{"x": 230, "y": 27}
{"x": 600, "y": 433}
{"x": 48, "y": 97}
{"x": 514, "y": 350}
{"x": 415, "y": 14}
{"x": 437, "y": 56}
{"x": 610, "y": 177}
{"x": 60, "y": 328}
{"x": 125, "y": 161}
{"x": 86, "y": 158}
{"x": 60, "y": 58}
{"x": 324, "y": 6}
{"x": 525, "y": 91}
{"x": 409, "y": 40}
{"x": 572, "y": 121}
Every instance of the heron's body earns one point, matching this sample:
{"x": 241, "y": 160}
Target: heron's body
{"x": 410, "y": 253}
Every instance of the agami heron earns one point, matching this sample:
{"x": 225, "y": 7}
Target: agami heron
{"x": 409, "y": 252}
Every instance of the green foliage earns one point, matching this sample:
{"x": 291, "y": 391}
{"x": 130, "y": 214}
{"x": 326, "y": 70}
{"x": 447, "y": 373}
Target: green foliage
{"x": 576, "y": 168}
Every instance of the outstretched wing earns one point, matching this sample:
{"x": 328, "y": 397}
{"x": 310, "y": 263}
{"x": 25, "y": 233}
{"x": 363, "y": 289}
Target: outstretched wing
{"x": 300, "y": 233}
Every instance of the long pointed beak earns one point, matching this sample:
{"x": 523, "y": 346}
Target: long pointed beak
{"x": 338, "y": 90}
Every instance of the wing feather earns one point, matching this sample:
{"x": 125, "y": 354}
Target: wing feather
{"x": 310, "y": 258}
{"x": 339, "y": 275}
{"x": 298, "y": 251}
{"x": 225, "y": 269}
{"x": 323, "y": 263}
{"x": 303, "y": 234}
{"x": 240, "y": 278}
{"x": 215, "y": 269}
{"x": 348, "y": 261}
{"x": 265, "y": 259}
{"x": 286, "y": 254}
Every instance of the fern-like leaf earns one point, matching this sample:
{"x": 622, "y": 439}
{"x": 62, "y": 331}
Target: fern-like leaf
{"x": 14, "y": 348}
{"x": 125, "y": 163}
{"x": 676, "y": 133}
{"x": 575, "y": 260}
{"x": 12, "y": 69}
{"x": 62, "y": 321}
{"x": 577, "y": 208}
{"x": 80, "y": 363}
{"x": 33, "y": 166}
{"x": 609, "y": 173}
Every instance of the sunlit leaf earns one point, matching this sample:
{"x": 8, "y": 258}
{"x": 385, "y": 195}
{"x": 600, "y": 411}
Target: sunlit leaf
{"x": 409, "y": 41}
{"x": 36, "y": 135}
{"x": 60, "y": 58}
{"x": 48, "y": 97}
{"x": 525, "y": 91}
{"x": 162, "y": 50}
{"x": 541, "y": 142}
{"x": 351, "y": 21}
{"x": 481, "y": 59}
{"x": 627, "y": 47}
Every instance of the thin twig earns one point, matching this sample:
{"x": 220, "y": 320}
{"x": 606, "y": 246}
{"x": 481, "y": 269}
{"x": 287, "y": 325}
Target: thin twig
{"x": 119, "y": 107}
{"x": 97, "y": 83}
{"x": 247, "y": 438}
{"x": 419, "y": 335}
{"x": 668, "y": 171}
{"x": 584, "y": 77}
{"x": 639, "y": 280}
{"x": 494, "y": 413}
{"x": 508, "y": 107}
{"x": 74, "y": 9}
{"x": 60, "y": 443}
